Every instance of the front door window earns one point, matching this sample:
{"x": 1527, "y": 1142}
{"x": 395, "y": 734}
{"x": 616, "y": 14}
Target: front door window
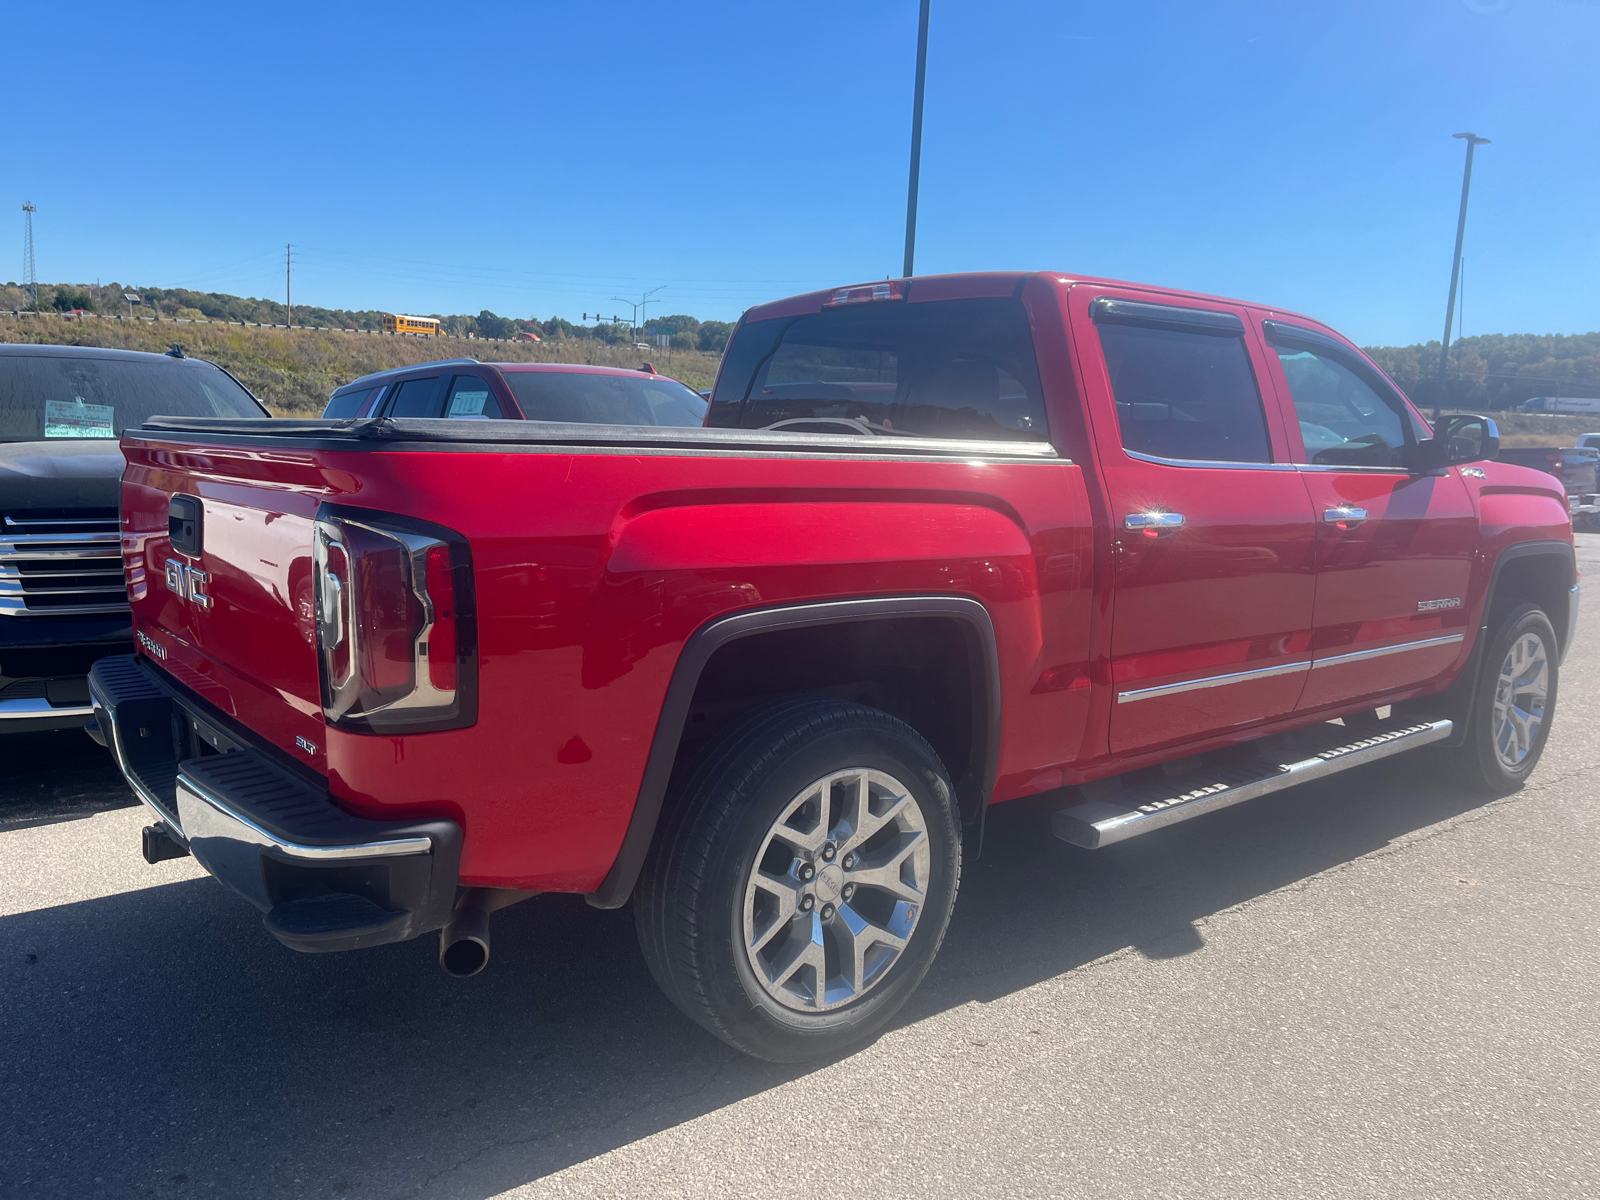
{"x": 1343, "y": 418}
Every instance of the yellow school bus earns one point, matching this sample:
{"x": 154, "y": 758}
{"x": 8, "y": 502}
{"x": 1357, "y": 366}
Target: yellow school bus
{"x": 398, "y": 323}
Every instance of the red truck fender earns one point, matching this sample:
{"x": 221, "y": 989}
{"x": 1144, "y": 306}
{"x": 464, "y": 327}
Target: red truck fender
{"x": 1545, "y": 573}
{"x": 973, "y": 788}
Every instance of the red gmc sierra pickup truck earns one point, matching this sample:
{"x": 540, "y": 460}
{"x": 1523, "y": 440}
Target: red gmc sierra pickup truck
{"x": 941, "y": 543}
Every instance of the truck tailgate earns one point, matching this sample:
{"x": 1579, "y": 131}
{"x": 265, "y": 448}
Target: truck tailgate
{"x": 227, "y": 612}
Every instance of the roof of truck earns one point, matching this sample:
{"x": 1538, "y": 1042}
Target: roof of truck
{"x": 979, "y": 284}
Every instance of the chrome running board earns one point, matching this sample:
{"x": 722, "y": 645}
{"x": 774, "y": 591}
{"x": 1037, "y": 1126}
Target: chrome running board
{"x": 1129, "y": 811}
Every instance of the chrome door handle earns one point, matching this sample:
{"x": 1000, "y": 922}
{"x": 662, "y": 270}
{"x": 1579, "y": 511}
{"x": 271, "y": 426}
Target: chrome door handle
{"x": 1153, "y": 522}
{"x": 1345, "y": 516}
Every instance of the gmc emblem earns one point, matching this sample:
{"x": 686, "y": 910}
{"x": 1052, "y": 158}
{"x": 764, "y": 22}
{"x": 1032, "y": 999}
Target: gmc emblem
{"x": 188, "y": 583}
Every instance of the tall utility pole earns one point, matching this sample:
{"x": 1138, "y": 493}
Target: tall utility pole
{"x": 30, "y": 280}
{"x": 916, "y": 140}
{"x": 288, "y": 294}
{"x": 1473, "y": 142}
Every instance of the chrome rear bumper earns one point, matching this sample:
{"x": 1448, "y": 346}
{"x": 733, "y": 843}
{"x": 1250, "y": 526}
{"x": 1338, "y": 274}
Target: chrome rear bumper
{"x": 324, "y": 879}
{"x": 35, "y": 714}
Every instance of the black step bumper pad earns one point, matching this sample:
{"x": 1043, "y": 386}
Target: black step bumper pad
{"x": 325, "y": 880}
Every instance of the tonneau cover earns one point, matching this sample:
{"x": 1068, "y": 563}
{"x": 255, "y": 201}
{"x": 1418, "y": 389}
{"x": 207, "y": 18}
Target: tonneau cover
{"x": 444, "y": 429}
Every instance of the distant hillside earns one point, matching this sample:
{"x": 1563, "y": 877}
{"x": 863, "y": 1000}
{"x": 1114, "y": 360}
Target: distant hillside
{"x": 1497, "y": 370}
{"x": 1490, "y": 372}
{"x": 294, "y": 370}
{"x": 688, "y": 333}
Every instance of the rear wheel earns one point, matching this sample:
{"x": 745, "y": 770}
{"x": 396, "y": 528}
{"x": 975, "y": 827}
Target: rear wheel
{"x": 802, "y": 885}
{"x": 1514, "y": 704}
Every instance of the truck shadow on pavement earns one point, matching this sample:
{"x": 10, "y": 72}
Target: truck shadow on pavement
{"x": 60, "y": 776}
{"x": 159, "y": 1042}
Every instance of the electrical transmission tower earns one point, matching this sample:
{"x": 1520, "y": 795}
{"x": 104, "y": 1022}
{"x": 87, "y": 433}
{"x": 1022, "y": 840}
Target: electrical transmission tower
{"x": 30, "y": 279}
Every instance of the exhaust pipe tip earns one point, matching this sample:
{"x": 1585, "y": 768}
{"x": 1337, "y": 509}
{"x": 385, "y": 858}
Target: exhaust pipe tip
{"x": 464, "y": 958}
{"x": 464, "y": 942}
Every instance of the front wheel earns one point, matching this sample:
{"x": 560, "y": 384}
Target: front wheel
{"x": 1514, "y": 704}
{"x": 802, "y": 884}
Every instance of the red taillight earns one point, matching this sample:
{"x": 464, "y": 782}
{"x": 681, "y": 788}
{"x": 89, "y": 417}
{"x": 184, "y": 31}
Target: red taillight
{"x": 396, "y": 630}
{"x": 441, "y": 643}
{"x": 893, "y": 289}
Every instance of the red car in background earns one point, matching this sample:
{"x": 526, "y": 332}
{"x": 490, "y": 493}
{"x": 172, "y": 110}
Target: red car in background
{"x": 466, "y": 389}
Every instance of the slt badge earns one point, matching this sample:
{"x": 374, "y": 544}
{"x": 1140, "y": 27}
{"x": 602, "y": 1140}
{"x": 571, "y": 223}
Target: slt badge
{"x": 188, "y": 582}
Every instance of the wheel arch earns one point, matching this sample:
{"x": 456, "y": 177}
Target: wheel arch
{"x": 1543, "y": 573}
{"x": 974, "y": 782}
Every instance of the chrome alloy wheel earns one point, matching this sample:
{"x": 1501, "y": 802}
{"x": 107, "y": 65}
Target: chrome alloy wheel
{"x": 1519, "y": 700}
{"x": 836, "y": 890}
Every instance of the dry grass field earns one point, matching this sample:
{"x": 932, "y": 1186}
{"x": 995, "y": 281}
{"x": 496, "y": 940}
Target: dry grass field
{"x": 294, "y": 370}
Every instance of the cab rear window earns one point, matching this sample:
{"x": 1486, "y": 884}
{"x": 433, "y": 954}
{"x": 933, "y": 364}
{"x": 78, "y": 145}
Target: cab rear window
{"x": 946, "y": 368}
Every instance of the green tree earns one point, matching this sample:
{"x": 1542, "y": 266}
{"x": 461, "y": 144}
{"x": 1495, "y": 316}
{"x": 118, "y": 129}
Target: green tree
{"x": 713, "y": 335}
{"x": 67, "y": 299}
{"x": 492, "y": 326}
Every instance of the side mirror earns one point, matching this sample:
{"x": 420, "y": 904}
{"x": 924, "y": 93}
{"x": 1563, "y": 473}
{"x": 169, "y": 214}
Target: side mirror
{"x": 1458, "y": 438}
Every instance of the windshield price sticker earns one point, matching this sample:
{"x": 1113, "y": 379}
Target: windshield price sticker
{"x": 468, "y": 404}
{"x": 75, "y": 419}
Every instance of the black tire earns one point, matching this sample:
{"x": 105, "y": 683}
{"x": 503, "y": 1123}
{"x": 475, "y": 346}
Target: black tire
{"x": 1476, "y": 762}
{"x": 690, "y": 904}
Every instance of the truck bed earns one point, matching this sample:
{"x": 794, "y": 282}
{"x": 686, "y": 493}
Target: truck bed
{"x": 597, "y": 552}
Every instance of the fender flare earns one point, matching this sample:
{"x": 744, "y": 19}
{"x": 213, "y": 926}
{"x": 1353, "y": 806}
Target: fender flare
{"x": 972, "y": 790}
{"x": 1459, "y": 698}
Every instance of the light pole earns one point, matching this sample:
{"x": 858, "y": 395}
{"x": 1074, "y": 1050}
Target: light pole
{"x": 1473, "y": 142}
{"x": 916, "y": 140}
{"x": 638, "y": 304}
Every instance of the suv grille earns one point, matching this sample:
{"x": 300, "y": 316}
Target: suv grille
{"x": 61, "y": 563}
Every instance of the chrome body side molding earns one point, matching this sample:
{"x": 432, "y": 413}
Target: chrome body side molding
{"x": 1211, "y": 681}
{"x": 1335, "y": 660}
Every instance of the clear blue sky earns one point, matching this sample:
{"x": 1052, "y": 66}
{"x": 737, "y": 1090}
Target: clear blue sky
{"x": 542, "y": 158}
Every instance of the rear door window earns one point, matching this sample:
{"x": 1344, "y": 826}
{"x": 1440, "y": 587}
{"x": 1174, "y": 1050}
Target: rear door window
{"x": 417, "y": 398}
{"x": 471, "y": 399}
{"x": 1184, "y": 393}
{"x": 946, "y": 368}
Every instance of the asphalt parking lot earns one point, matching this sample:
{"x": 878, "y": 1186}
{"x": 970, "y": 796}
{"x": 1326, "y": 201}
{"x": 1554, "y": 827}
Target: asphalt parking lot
{"x": 1371, "y": 986}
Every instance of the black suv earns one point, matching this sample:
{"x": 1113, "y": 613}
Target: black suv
{"x": 63, "y": 603}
